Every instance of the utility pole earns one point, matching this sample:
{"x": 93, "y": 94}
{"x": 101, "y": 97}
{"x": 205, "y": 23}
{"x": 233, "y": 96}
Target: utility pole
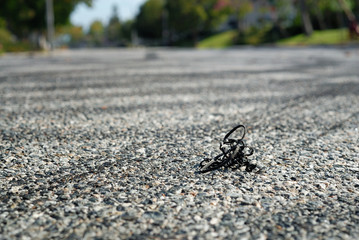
{"x": 50, "y": 23}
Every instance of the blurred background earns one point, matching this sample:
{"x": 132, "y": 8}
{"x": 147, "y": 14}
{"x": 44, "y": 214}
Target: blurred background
{"x": 47, "y": 24}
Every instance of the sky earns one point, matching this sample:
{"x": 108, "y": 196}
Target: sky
{"x": 102, "y": 10}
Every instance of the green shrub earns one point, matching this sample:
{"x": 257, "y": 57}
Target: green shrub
{"x": 5, "y": 39}
{"x": 8, "y": 43}
{"x": 254, "y": 35}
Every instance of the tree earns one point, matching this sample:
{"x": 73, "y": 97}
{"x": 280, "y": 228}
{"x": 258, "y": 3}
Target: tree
{"x": 284, "y": 13}
{"x": 217, "y": 12}
{"x": 186, "y": 17}
{"x": 127, "y": 29}
{"x": 241, "y": 8}
{"x": 149, "y": 20}
{"x": 307, "y": 23}
{"x": 75, "y": 34}
{"x": 330, "y": 13}
{"x": 24, "y": 17}
{"x": 181, "y": 19}
{"x": 96, "y": 33}
{"x": 113, "y": 29}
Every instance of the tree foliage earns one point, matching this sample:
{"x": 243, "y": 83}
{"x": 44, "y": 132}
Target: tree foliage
{"x": 23, "y": 16}
{"x": 96, "y": 33}
{"x": 181, "y": 21}
{"x": 149, "y": 20}
{"x": 217, "y": 12}
{"x": 179, "y": 18}
{"x": 185, "y": 19}
{"x": 113, "y": 29}
{"x": 186, "y": 16}
{"x": 75, "y": 33}
{"x": 126, "y": 31}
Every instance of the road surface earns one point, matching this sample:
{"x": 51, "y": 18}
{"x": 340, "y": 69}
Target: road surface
{"x": 106, "y": 144}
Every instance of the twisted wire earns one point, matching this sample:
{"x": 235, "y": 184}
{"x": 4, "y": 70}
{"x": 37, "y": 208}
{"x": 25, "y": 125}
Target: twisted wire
{"x": 234, "y": 154}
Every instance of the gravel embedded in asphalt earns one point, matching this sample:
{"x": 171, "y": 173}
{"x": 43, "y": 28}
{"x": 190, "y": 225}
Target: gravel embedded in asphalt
{"x": 107, "y": 143}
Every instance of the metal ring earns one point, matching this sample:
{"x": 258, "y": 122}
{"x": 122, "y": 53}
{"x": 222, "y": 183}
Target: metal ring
{"x": 232, "y": 131}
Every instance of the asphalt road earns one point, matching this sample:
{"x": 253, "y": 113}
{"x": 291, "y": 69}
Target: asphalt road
{"x": 106, "y": 144}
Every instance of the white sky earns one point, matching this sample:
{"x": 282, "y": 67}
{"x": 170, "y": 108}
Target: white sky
{"x": 102, "y": 10}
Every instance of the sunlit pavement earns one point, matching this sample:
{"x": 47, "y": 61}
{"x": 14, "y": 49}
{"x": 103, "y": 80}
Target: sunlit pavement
{"x": 106, "y": 143}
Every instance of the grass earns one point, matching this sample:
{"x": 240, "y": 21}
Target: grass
{"x": 325, "y": 37}
{"x": 221, "y": 40}
{"x": 22, "y": 46}
{"x": 255, "y": 37}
